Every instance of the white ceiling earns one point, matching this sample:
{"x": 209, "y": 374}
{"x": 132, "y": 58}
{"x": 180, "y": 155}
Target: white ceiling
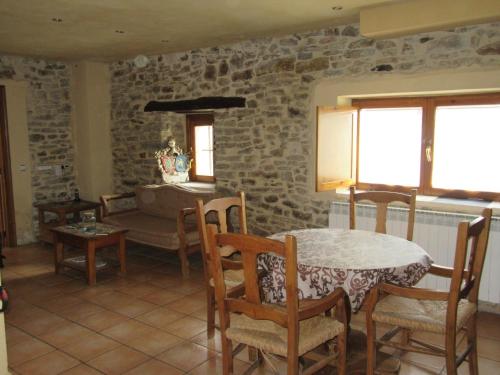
{"x": 105, "y": 30}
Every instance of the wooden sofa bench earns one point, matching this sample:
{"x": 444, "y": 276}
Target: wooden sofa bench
{"x": 163, "y": 217}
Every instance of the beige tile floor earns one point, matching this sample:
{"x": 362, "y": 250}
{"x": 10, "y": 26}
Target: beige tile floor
{"x": 149, "y": 322}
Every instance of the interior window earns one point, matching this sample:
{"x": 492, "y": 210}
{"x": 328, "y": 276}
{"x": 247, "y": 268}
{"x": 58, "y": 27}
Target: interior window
{"x": 443, "y": 145}
{"x": 389, "y": 146}
{"x": 201, "y": 146}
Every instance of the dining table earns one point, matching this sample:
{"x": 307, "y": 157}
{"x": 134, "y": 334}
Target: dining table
{"x": 354, "y": 260}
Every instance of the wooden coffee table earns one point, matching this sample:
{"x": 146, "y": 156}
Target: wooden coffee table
{"x": 89, "y": 238}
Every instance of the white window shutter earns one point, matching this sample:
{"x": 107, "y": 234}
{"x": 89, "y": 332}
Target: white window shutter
{"x": 335, "y": 147}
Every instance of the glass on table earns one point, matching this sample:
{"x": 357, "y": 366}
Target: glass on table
{"x": 89, "y": 221}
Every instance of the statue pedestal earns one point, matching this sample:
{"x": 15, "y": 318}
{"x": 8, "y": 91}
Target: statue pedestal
{"x": 177, "y": 178}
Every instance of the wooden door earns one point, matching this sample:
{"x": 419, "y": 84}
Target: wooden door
{"x": 7, "y": 217}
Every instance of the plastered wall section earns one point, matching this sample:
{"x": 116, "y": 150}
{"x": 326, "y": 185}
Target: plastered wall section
{"x": 91, "y": 127}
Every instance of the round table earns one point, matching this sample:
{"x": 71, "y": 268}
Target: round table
{"x": 355, "y": 260}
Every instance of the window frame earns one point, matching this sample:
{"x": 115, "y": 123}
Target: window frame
{"x": 192, "y": 121}
{"x": 428, "y": 104}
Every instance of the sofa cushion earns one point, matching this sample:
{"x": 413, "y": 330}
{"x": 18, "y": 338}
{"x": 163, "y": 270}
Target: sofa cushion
{"x": 152, "y": 230}
{"x": 166, "y": 200}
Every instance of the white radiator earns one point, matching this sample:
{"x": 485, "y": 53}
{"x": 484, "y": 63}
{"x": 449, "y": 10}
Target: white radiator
{"x": 435, "y": 232}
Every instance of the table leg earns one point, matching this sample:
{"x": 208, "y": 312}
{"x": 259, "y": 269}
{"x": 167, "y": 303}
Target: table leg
{"x": 58, "y": 254}
{"x": 91, "y": 277}
{"x": 122, "y": 254}
{"x": 98, "y": 216}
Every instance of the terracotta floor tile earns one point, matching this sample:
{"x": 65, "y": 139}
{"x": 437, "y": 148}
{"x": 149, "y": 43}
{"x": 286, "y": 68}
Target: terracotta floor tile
{"x": 46, "y": 323}
{"x": 187, "y": 305}
{"x": 161, "y": 317}
{"x": 162, "y": 297}
{"x": 48, "y": 364}
{"x": 80, "y": 311}
{"x": 154, "y": 343}
{"x": 111, "y": 299}
{"x": 118, "y": 361}
{"x": 489, "y": 348}
{"x": 102, "y": 320}
{"x": 81, "y": 370}
{"x": 153, "y": 331}
{"x": 186, "y": 356}
{"x": 65, "y": 335}
{"x": 213, "y": 343}
{"x": 486, "y": 367}
{"x": 214, "y": 367}
{"x": 488, "y": 325}
{"x": 202, "y": 315}
{"x": 154, "y": 367}
{"x": 51, "y": 279}
{"x": 187, "y": 327}
{"x": 24, "y": 312}
{"x": 163, "y": 280}
{"x": 90, "y": 346}
{"x": 128, "y": 330}
{"x": 14, "y": 335}
{"x": 91, "y": 292}
{"x": 26, "y": 350}
{"x": 59, "y": 303}
{"x": 135, "y": 307}
{"x": 139, "y": 290}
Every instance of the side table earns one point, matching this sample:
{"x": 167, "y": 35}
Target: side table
{"x": 62, "y": 210}
{"x": 89, "y": 239}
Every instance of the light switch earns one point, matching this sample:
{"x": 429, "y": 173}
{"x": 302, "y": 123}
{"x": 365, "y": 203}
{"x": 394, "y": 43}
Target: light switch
{"x": 22, "y": 167}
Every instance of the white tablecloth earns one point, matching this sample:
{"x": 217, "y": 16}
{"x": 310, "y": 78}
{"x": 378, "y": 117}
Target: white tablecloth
{"x": 352, "y": 259}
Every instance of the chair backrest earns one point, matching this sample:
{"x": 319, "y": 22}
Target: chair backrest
{"x": 382, "y": 200}
{"x": 470, "y": 253}
{"x": 250, "y": 303}
{"x": 221, "y": 208}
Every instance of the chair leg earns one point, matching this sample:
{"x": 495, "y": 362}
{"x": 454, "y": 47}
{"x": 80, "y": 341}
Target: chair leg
{"x": 227, "y": 355}
{"x": 371, "y": 348}
{"x": 451, "y": 353}
{"x": 342, "y": 353}
{"x": 292, "y": 365}
{"x": 472, "y": 340}
{"x": 210, "y": 311}
{"x": 184, "y": 262}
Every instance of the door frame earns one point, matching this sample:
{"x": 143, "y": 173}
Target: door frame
{"x": 7, "y": 203}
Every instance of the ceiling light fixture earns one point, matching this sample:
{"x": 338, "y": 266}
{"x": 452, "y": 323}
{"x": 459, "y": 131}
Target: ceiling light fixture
{"x": 119, "y": 31}
{"x": 337, "y": 8}
{"x": 141, "y": 61}
{"x": 55, "y": 19}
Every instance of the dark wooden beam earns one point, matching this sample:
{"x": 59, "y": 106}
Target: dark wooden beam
{"x": 206, "y": 102}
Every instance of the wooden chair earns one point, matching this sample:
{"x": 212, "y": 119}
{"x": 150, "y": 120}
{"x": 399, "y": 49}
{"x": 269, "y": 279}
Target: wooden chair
{"x": 382, "y": 199}
{"x": 220, "y": 208}
{"x": 290, "y": 330}
{"x": 442, "y": 312}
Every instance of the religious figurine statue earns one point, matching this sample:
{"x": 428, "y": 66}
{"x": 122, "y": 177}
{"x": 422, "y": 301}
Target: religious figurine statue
{"x": 173, "y": 163}
{"x": 172, "y": 149}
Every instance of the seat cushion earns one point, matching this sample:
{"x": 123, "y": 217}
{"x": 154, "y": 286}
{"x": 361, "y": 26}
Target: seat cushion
{"x": 269, "y": 336}
{"x": 152, "y": 230}
{"x": 423, "y": 315}
{"x": 232, "y": 278}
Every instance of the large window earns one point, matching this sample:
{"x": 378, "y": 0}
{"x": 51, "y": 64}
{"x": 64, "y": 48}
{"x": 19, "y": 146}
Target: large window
{"x": 445, "y": 146}
{"x": 201, "y": 144}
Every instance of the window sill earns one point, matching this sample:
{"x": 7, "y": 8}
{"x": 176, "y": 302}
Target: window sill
{"x": 431, "y": 203}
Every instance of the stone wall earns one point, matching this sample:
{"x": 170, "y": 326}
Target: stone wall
{"x": 49, "y": 123}
{"x": 265, "y": 149}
